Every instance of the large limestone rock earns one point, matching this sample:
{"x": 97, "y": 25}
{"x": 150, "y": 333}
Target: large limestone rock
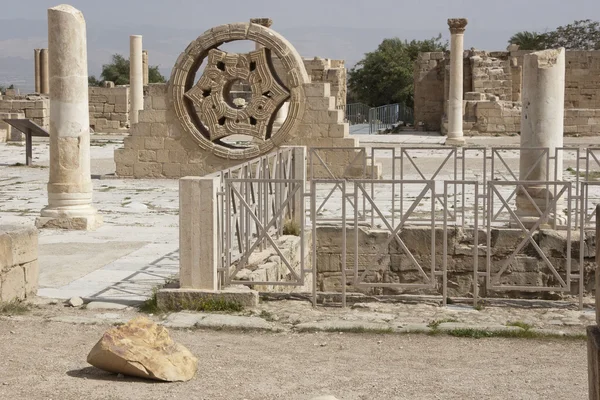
{"x": 144, "y": 349}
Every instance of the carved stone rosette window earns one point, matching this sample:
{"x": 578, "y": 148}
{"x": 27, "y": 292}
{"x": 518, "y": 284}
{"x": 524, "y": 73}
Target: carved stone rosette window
{"x": 204, "y": 106}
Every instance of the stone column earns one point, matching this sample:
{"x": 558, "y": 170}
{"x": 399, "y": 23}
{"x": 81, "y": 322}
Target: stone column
{"x": 136, "y": 78}
{"x": 36, "y": 70}
{"x": 542, "y": 123}
{"x": 44, "y": 72}
{"x": 455, "y": 99}
{"x": 70, "y": 185}
{"x": 282, "y": 114}
{"x": 145, "y": 66}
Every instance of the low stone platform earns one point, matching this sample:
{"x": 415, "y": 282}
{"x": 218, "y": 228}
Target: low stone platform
{"x": 19, "y": 270}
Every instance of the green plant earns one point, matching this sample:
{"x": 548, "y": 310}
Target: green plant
{"x": 291, "y": 227}
{"x": 435, "y": 324}
{"x": 520, "y": 324}
{"x": 14, "y": 307}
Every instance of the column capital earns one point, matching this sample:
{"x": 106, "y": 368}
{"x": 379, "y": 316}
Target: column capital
{"x": 457, "y": 25}
{"x": 266, "y": 22}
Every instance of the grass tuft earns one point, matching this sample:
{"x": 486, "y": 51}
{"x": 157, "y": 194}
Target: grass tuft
{"x": 520, "y": 324}
{"x": 291, "y": 227}
{"x": 15, "y": 307}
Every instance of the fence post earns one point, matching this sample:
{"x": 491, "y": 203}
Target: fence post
{"x": 299, "y": 168}
{"x": 198, "y": 250}
{"x": 593, "y": 332}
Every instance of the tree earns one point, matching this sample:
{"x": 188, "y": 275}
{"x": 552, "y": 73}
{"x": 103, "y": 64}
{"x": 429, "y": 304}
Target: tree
{"x": 529, "y": 40}
{"x": 580, "y": 35}
{"x": 93, "y": 81}
{"x": 385, "y": 76}
{"x": 154, "y": 75}
{"x": 118, "y": 72}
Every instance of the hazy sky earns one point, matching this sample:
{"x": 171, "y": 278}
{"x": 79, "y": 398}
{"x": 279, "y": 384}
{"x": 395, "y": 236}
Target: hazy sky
{"x": 489, "y": 20}
{"x": 337, "y": 29}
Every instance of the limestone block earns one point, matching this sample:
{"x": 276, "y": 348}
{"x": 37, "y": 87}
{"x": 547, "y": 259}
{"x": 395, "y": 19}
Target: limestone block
{"x": 320, "y": 103}
{"x": 152, "y": 116}
{"x": 147, "y": 170}
{"x": 147, "y": 156}
{"x": 154, "y": 143}
{"x": 159, "y": 103}
{"x": 317, "y": 89}
{"x": 144, "y": 349}
{"x": 36, "y": 113}
{"x": 32, "y": 272}
{"x": 159, "y": 129}
{"x": 124, "y": 170}
{"x": 162, "y": 156}
{"x": 13, "y": 284}
{"x": 126, "y": 157}
{"x": 339, "y": 130}
{"x": 172, "y": 170}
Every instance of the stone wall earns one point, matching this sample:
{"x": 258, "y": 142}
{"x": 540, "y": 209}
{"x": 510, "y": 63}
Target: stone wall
{"x": 267, "y": 266}
{"x": 157, "y": 147}
{"x": 389, "y": 264}
{"x": 109, "y": 109}
{"x": 496, "y": 77}
{"x": 18, "y": 262}
{"x": 33, "y": 107}
{"x": 429, "y": 73}
{"x": 332, "y": 72}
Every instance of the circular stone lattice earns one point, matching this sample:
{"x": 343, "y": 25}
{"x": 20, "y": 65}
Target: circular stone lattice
{"x": 203, "y": 107}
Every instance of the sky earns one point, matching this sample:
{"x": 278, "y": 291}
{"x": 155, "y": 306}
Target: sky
{"x": 343, "y": 29}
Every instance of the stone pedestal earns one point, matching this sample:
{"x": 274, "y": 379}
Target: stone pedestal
{"x": 136, "y": 78}
{"x": 145, "y": 67}
{"x": 455, "y": 98}
{"x": 44, "y": 72}
{"x": 70, "y": 185}
{"x": 542, "y": 122}
{"x": 36, "y": 70}
{"x": 198, "y": 237}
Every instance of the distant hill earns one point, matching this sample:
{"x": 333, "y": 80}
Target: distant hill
{"x": 20, "y": 37}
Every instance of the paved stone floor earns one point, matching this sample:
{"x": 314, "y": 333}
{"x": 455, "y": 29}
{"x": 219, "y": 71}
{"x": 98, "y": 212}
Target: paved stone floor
{"x": 136, "y": 248}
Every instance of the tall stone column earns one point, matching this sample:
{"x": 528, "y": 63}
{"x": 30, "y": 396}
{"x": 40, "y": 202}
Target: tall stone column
{"x": 455, "y": 98}
{"x": 542, "y": 126}
{"x": 282, "y": 114}
{"x": 70, "y": 185}
{"x": 136, "y": 78}
{"x": 36, "y": 70}
{"x": 44, "y": 72}
{"x": 145, "y": 66}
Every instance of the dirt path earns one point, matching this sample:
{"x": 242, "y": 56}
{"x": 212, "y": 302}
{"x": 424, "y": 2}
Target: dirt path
{"x": 46, "y": 360}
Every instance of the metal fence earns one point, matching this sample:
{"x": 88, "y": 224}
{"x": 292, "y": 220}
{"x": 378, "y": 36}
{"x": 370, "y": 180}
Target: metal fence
{"x": 254, "y": 202}
{"x": 364, "y": 119}
{"x": 444, "y": 189}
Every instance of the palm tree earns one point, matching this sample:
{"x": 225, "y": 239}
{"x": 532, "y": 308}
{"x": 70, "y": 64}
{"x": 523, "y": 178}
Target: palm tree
{"x": 528, "y": 40}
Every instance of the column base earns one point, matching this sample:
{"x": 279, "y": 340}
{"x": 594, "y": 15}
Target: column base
{"x": 455, "y": 141}
{"x": 81, "y": 223}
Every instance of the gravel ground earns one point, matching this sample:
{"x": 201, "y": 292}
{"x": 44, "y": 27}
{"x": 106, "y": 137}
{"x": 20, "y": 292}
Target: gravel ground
{"x": 46, "y": 360}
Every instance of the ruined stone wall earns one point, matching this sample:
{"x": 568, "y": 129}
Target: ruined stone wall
{"x": 19, "y": 269}
{"x": 497, "y": 77}
{"x": 582, "y": 79}
{"x": 429, "y": 72}
{"x": 109, "y": 109}
{"x": 389, "y": 264}
{"x": 157, "y": 147}
{"x": 33, "y": 107}
{"x": 332, "y": 72}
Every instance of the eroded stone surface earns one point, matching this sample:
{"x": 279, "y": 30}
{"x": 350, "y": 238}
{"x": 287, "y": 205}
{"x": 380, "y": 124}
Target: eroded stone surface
{"x": 144, "y": 349}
